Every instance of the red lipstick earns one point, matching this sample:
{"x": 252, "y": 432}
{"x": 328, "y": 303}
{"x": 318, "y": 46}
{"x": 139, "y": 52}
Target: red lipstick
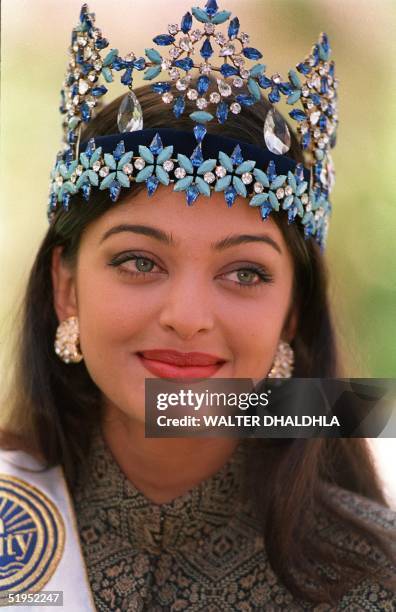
{"x": 168, "y": 363}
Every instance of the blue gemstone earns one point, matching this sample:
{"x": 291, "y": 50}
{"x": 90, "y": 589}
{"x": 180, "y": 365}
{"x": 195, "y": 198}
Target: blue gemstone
{"x": 74, "y": 90}
{"x": 315, "y": 55}
{"x": 126, "y": 78}
{"x": 271, "y": 171}
{"x": 222, "y": 112}
{"x": 297, "y": 114}
{"x": 206, "y": 49}
{"x": 192, "y": 193}
{"x": 119, "y": 150}
{"x": 236, "y": 156}
{"x": 265, "y": 210}
{"x": 285, "y": 88}
{"x": 86, "y": 190}
{"x": 85, "y": 112}
{"x": 196, "y": 157}
{"x": 228, "y": 70}
{"x": 186, "y": 23}
{"x": 114, "y": 190}
{"x": 53, "y": 201}
{"x": 211, "y": 7}
{"x": 331, "y": 69}
{"x": 152, "y": 184}
{"x": 274, "y": 95}
{"x": 317, "y": 171}
{"x": 230, "y": 194}
{"x": 245, "y": 100}
{"x": 101, "y": 43}
{"x": 199, "y": 132}
{"x": 139, "y": 64}
{"x": 79, "y": 57}
{"x": 233, "y": 27}
{"x": 179, "y": 106}
{"x": 252, "y": 53}
{"x": 164, "y": 39}
{"x": 308, "y": 229}
{"x": 304, "y": 68}
{"x": 333, "y": 139}
{"x": 71, "y": 137}
{"x": 156, "y": 145}
{"x": 99, "y": 91}
{"x": 65, "y": 201}
{"x": 264, "y": 82}
{"x": 291, "y": 213}
{"x": 86, "y": 69}
{"x": 161, "y": 87}
{"x": 119, "y": 64}
{"x": 203, "y": 84}
{"x": 323, "y": 85}
{"x": 68, "y": 156}
{"x": 325, "y": 42}
{"x": 323, "y": 122}
{"x": 185, "y": 64}
{"x": 299, "y": 173}
{"x": 306, "y": 139}
{"x": 315, "y": 98}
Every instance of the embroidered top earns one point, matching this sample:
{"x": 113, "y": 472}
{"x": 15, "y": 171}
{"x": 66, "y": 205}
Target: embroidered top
{"x": 200, "y": 551}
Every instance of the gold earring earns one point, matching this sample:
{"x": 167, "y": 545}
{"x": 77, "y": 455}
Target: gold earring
{"x": 67, "y": 341}
{"x": 283, "y": 361}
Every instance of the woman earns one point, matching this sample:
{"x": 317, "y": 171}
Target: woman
{"x": 137, "y": 523}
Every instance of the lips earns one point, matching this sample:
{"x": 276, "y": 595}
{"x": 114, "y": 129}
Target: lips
{"x": 182, "y": 359}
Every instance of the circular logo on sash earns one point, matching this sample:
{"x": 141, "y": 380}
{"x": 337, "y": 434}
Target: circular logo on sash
{"x": 32, "y": 536}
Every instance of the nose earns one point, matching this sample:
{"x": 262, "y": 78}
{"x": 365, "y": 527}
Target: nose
{"x": 187, "y": 308}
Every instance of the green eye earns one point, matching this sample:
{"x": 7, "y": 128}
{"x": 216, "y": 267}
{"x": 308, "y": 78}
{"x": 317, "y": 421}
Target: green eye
{"x": 143, "y": 264}
{"x": 246, "y": 276}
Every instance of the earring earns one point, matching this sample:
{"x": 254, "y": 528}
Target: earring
{"x": 283, "y": 361}
{"x": 67, "y": 341}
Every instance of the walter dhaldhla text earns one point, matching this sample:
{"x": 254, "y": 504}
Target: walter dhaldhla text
{"x": 248, "y": 420}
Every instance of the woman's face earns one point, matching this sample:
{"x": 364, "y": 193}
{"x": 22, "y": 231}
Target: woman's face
{"x": 154, "y": 273}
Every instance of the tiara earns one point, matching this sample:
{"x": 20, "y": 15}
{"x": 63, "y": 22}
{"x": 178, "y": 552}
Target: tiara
{"x": 198, "y": 162}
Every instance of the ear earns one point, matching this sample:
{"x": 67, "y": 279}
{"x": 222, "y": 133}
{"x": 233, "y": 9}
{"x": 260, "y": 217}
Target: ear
{"x": 64, "y": 286}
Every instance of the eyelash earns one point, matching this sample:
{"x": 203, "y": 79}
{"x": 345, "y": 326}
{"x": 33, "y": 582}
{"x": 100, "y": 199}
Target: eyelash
{"x": 261, "y": 272}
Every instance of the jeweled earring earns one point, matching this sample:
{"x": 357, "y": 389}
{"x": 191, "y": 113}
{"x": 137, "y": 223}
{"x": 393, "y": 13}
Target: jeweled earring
{"x": 283, "y": 361}
{"x": 67, "y": 341}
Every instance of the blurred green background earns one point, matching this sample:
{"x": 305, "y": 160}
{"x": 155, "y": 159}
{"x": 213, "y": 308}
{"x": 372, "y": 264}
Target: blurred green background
{"x": 361, "y": 253}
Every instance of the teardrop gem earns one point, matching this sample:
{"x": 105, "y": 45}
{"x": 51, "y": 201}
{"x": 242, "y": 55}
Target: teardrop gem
{"x": 130, "y": 115}
{"x": 276, "y": 133}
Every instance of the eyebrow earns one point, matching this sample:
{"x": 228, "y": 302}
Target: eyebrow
{"x": 160, "y": 235}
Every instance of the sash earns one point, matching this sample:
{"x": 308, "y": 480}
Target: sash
{"x": 39, "y": 541}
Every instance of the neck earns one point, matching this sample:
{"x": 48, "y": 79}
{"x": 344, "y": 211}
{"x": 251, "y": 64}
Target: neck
{"x": 162, "y": 468}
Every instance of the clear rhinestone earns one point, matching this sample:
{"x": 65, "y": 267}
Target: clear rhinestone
{"x": 192, "y": 94}
{"x": 209, "y": 177}
{"x": 246, "y": 178}
{"x": 280, "y": 193}
{"x": 166, "y": 64}
{"x": 79, "y": 170}
{"x": 215, "y": 97}
{"x": 321, "y": 144}
{"x": 220, "y": 171}
{"x": 244, "y": 37}
{"x": 83, "y": 87}
{"x": 82, "y": 41}
{"x": 167, "y": 97}
{"x": 237, "y": 82}
{"x": 276, "y": 78}
{"x": 311, "y": 61}
{"x": 92, "y": 77}
{"x": 205, "y": 68}
{"x": 104, "y": 171}
{"x": 91, "y": 102}
{"x": 59, "y": 180}
{"x": 322, "y": 71}
{"x": 317, "y": 133}
{"x": 220, "y": 38}
{"x": 258, "y": 187}
{"x": 305, "y": 91}
{"x": 196, "y": 35}
{"x": 244, "y": 73}
{"x": 304, "y": 198}
{"x": 308, "y": 207}
{"x": 202, "y": 103}
{"x": 73, "y": 177}
{"x": 185, "y": 43}
{"x": 228, "y": 49}
{"x": 235, "y": 108}
{"x": 180, "y": 173}
{"x": 288, "y": 191}
{"x": 239, "y": 61}
{"x": 224, "y": 88}
{"x": 139, "y": 163}
{"x": 173, "y": 28}
{"x": 174, "y": 74}
{"x": 168, "y": 165}
{"x": 96, "y": 166}
{"x": 314, "y": 117}
{"x": 276, "y": 133}
{"x": 76, "y": 100}
{"x": 174, "y": 52}
{"x": 182, "y": 84}
{"x": 209, "y": 28}
{"x": 130, "y": 114}
{"x": 310, "y": 105}
{"x": 127, "y": 168}
{"x": 304, "y": 128}
{"x": 98, "y": 65}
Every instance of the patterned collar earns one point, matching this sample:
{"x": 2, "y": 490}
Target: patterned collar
{"x": 107, "y": 500}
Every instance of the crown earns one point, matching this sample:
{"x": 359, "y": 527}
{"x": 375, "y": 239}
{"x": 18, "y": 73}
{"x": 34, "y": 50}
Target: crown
{"x": 199, "y": 162}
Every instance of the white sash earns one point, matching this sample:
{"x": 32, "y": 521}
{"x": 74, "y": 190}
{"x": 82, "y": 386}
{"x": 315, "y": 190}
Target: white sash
{"x": 39, "y": 540}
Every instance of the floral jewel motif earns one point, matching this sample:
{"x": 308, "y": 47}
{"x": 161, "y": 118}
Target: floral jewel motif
{"x": 230, "y": 174}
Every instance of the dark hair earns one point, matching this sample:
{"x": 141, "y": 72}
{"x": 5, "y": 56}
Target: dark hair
{"x": 53, "y": 407}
